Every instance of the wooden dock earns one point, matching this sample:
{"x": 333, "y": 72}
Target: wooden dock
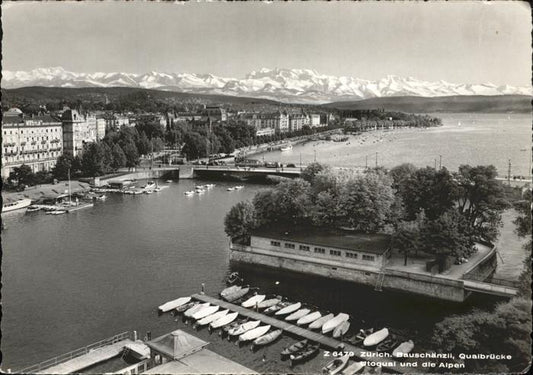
{"x": 93, "y": 357}
{"x": 325, "y": 341}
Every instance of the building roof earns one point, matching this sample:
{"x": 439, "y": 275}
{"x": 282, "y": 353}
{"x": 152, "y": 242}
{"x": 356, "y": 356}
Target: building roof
{"x": 71, "y": 115}
{"x": 176, "y": 344}
{"x": 341, "y": 239}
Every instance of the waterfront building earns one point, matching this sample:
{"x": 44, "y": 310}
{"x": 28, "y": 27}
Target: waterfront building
{"x": 100, "y": 128}
{"x": 297, "y": 121}
{"x": 267, "y": 123}
{"x": 215, "y": 114}
{"x": 77, "y": 130}
{"x": 314, "y": 120}
{"x": 36, "y": 141}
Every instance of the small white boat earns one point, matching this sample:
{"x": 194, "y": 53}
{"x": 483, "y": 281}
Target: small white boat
{"x": 268, "y": 303}
{"x": 252, "y": 301}
{"x": 336, "y": 365}
{"x": 341, "y": 329}
{"x": 194, "y": 309}
{"x": 33, "y": 209}
{"x": 200, "y": 192}
{"x": 286, "y": 147}
{"x": 56, "y": 212}
{"x": 189, "y": 193}
{"x": 254, "y": 333}
{"x": 238, "y": 294}
{"x": 330, "y": 325}
{"x": 239, "y": 330}
{"x": 210, "y": 186}
{"x": 309, "y": 318}
{"x": 205, "y": 312}
{"x": 403, "y": 348}
{"x": 376, "y": 337}
{"x": 213, "y": 317}
{"x": 289, "y": 309}
{"x": 168, "y": 181}
{"x": 227, "y": 319}
{"x": 317, "y": 324}
{"x": 16, "y": 205}
{"x": 239, "y": 187}
{"x": 354, "y": 368}
{"x": 230, "y": 189}
{"x": 297, "y": 314}
{"x": 267, "y": 338}
{"x": 102, "y": 197}
{"x": 171, "y": 305}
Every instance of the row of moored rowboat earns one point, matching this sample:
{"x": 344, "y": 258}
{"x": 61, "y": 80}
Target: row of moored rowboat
{"x": 243, "y": 330}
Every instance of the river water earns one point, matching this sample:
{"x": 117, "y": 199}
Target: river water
{"x": 74, "y": 279}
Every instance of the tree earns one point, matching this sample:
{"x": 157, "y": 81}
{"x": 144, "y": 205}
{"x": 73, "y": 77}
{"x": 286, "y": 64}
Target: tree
{"x": 131, "y": 153}
{"x": 23, "y": 175}
{"x": 481, "y": 199}
{"x": 93, "y": 160}
{"x": 506, "y": 330}
{"x": 118, "y": 157}
{"x": 433, "y": 191}
{"x": 309, "y": 173}
{"x": 407, "y": 238}
{"x": 239, "y": 222}
{"x": 64, "y": 163}
{"x": 144, "y": 146}
{"x": 194, "y": 145}
{"x": 366, "y": 202}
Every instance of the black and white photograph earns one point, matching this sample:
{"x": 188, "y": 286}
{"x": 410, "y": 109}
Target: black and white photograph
{"x": 266, "y": 187}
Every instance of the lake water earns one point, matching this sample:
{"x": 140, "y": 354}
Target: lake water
{"x": 479, "y": 139}
{"x": 74, "y": 279}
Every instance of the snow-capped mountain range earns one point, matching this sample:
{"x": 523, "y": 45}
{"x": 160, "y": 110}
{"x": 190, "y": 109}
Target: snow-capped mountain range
{"x": 290, "y": 85}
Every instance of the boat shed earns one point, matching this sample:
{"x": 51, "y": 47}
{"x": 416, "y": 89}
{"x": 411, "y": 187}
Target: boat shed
{"x": 317, "y": 244}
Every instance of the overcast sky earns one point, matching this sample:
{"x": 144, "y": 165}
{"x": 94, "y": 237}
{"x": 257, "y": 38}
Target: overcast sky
{"x": 463, "y": 42}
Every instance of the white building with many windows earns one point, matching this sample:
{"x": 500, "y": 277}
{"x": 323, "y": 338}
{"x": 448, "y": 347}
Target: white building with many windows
{"x": 36, "y": 141}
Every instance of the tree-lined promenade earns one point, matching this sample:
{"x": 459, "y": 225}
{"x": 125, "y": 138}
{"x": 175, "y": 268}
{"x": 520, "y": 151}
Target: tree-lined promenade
{"x": 427, "y": 211}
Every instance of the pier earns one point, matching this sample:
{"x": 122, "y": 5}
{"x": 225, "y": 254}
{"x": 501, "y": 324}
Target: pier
{"x": 81, "y": 358}
{"x": 325, "y": 341}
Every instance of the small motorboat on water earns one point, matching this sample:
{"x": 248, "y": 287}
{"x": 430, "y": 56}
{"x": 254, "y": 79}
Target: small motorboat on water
{"x": 205, "y": 312}
{"x": 239, "y": 187}
{"x": 354, "y": 368}
{"x": 211, "y": 318}
{"x": 286, "y": 147}
{"x": 56, "y": 212}
{"x": 189, "y": 193}
{"x": 289, "y": 309}
{"x": 330, "y": 325}
{"x": 336, "y": 365}
{"x": 317, "y": 324}
{"x": 254, "y": 333}
{"x": 230, "y": 189}
{"x": 267, "y": 338}
{"x": 194, "y": 309}
{"x": 306, "y": 353}
{"x": 171, "y": 305}
{"x": 309, "y": 318}
{"x": 376, "y": 337}
{"x": 15, "y": 205}
{"x": 253, "y": 301}
{"x": 404, "y": 348}
{"x": 226, "y": 319}
{"x": 297, "y": 315}
{"x": 341, "y": 329}
{"x": 33, "y": 209}
{"x": 239, "y": 330}
{"x": 294, "y": 348}
{"x": 186, "y": 307}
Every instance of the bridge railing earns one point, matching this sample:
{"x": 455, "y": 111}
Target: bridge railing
{"x": 74, "y": 353}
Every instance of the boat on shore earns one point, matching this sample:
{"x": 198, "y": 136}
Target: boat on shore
{"x": 268, "y": 303}
{"x": 297, "y": 315}
{"x": 354, "y": 368}
{"x": 212, "y": 318}
{"x": 306, "y": 353}
{"x": 253, "y": 301}
{"x": 186, "y": 307}
{"x": 286, "y": 147}
{"x": 239, "y": 330}
{"x": 16, "y": 205}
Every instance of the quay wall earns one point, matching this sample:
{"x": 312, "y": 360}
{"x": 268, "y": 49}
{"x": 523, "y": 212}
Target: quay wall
{"x": 485, "y": 268}
{"x": 430, "y": 286}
